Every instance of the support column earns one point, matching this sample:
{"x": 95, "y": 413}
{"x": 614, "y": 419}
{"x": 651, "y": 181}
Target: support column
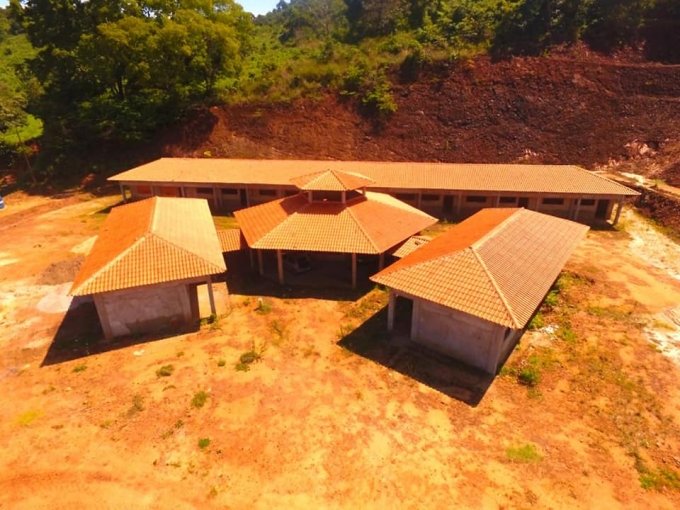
{"x": 578, "y": 208}
{"x": 182, "y": 192}
{"x": 498, "y": 200}
{"x": 618, "y": 211}
{"x": 247, "y": 197}
{"x": 211, "y": 297}
{"x": 252, "y": 258}
{"x": 354, "y": 270}
{"x": 279, "y": 264}
{"x": 122, "y": 192}
{"x": 390, "y": 310}
{"x": 260, "y": 263}
{"x": 415, "y": 317}
{"x": 419, "y": 200}
{"x": 459, "y": 204}
{"x": 381, "y": 261}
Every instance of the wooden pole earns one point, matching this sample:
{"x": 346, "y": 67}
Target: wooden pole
{"x": 279, "y": 262}
{"x": 354, "y": 270}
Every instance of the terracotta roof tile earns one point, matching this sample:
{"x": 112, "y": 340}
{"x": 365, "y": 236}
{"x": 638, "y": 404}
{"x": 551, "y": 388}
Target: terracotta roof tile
{"x": 562, "y": 179}
{"x": 498, "y": 264}
{"x": 370, "y": 224}
{"x": 411, "y": 245}
{"x": 331, "y": 180}
{"x": 152, "y": 241}
{"x": 231, "y": 239}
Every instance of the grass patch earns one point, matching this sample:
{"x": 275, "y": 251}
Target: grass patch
{"x": 225, "y": 222}
{"x": 663, "y": 478}
{"x": 537, "y": 322}
{"x": 279, "y": 330}
{"x": 203, "y": 443}
{"x": 248, "y": 358}
{"x": 165, "y": 371}
{"x": 136, "y": 407}
{"x": 80, "y": 368}
{"x": 28, "y": 417}
{"x": 263, "y": 306}
{"x": 199, "y": 399}
{"x": 525, "y": 454}
{"x": 566, "y": 333}
{"x": 367, "y": 306}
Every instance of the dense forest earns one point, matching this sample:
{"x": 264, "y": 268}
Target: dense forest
{"x": 79, "y": 73}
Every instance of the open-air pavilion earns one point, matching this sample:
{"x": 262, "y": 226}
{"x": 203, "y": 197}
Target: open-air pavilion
{"x": 332, "y": 216}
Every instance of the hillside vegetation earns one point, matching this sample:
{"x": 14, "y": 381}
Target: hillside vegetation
{"x": 109, "y": 73}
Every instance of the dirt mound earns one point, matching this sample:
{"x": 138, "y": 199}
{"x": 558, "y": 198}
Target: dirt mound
{"x": 560, "y": 109}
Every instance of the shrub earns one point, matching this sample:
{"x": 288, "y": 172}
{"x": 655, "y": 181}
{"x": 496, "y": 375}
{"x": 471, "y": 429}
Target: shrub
{"x": 221, "y": 362}
{"x": 203, "y": 443}
{"x": 526, "y": 453}
{"x": 199, "y": 400}
{"x": 537, "y": 321}
{"x": 165, "y": 371}
{"x": 529, "y": 376}
{"x": 263, "y": 307}
{"x": 80, "y": 368}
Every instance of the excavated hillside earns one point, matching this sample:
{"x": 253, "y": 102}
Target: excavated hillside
{"x": 566, "y": 109}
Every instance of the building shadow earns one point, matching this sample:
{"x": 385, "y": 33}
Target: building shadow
{"x": 80, "y": 335}
{"x": 243, "y": 279}
{"x": 396, "y": 352}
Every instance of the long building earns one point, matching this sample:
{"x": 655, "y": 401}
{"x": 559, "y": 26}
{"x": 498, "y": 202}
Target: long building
{"x": 446, "y": 190}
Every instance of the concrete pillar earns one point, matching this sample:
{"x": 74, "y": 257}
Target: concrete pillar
{"x": 459, "y": 204}
{"x": 497, "y": 202}
{"x": 354, "y": 270}
{"x": 415, "y": 316}
{"x": 381, "y": 261}
{"x": 100, "y": 306}
{"x": 260, "y": 263}
{"x": 211, "y": 297}
{"x": 390, "y": 310}
{"x": 419, "y": 200}
{"x": 618, "y": 211}
{"x": 578, "y": 208}
{"x": 279, "y": 264}
{"x": 252, "y": 258}
{"x": 122, "y": 192}
{"x": 344, "y": 197}
{"x": 247, "y": 197}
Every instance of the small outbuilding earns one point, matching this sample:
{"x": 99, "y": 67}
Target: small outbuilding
{"x": 471, "y": 292}
{"x": 144, "y": 269}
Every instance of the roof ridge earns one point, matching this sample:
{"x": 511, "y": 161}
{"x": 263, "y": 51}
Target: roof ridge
{"x": 499, "y": 226}
{"x": 182, "y": 249}
{"x": 111, "y": 262}
{"x": 362, "y": 229}
{"x": 496, "y": 287}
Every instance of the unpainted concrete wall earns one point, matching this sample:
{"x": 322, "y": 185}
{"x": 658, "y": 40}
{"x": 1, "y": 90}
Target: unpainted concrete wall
{"x": 467, "y": 338}
{"x": 144, "y": 310}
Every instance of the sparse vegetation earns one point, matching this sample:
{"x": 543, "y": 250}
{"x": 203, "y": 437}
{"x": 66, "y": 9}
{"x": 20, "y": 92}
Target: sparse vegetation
{"x": 199, "y": 399}
{"x": 221, "y": 362}
{"x": 165, "y": 371}
{"x": 537, "y": 321}
{"x": 203, "y": 443}
{"x": 526, "y": 453}
{"x": 28, "y": 417}
{"x": 659, "y": 479}
{"x": 136, "y": 407}
{"x": 263, "y": 306}
{"x": 80, "y": 368}
{"x": 248, "y": 358}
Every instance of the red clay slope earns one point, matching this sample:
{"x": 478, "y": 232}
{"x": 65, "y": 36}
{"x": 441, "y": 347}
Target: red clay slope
{"x": 568, "y": 109}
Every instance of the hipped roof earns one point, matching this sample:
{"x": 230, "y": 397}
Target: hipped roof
{"x": 153, "y": 241}
{"x": 369, "y": 224}
{"x": 331, "y": 180}
{"x": 561, "y": 179}
{"x": 497, "y": 265}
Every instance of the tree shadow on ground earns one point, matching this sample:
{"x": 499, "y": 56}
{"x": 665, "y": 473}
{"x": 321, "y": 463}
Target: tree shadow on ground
{"x": 80, "y": 335}
{"x": 446, "y": 375}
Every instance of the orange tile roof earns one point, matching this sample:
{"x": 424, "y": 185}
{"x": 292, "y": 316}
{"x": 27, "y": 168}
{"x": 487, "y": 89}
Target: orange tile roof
{"x": 231, "y": 240}
{"x": 563, "y": 179}
{"x": 411, "y": 245}
{"x": 332, "y": 180}
{"x": 368, "y": 224}
{"x": 152, "y": 241}
{"x": 498, "y": 264}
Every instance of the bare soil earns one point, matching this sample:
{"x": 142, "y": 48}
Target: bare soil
{"x": 329, "y": 417}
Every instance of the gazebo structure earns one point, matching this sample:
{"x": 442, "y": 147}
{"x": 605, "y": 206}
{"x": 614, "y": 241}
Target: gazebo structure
{"x": 332, "y": 214}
